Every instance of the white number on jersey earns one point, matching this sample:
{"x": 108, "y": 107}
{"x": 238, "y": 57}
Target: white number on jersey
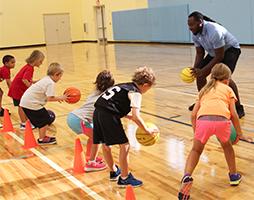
{"x": 111, "y": 92}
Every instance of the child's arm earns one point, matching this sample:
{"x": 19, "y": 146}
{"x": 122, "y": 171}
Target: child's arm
{"x": 58, "y": 98}
{"x": 27, "y": 82}
{"x": 236, "y": 122}
{"x": 8, "y": 82}
{"x": 194, "y": 115}
{"x": 139, "y": 121}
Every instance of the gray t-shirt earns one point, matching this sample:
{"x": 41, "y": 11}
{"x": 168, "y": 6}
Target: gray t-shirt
{"x": 214, "y": 36}
{"x": 86, "y": 111}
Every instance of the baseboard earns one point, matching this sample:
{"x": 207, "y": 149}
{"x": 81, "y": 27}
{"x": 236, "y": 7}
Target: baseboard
{"x": 23, "y": 46}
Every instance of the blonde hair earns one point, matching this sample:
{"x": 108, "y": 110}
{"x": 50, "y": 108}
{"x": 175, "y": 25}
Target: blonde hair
{"x": 35, "y": 55}
{"x": 219, "y": 72}
{"x": 144, "y": 75}
{"x": 54, "y": 68}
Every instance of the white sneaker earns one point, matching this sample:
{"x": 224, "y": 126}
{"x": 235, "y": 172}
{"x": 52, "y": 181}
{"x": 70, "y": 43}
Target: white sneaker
{"x": 22, "y": 127}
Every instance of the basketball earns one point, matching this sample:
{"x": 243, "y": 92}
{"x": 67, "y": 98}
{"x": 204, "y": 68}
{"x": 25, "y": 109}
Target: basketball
{"x": 145, "y": 138}
{"x": 233, "y": 136}
{"x": 186, "y": 75}
{"x": 73, "y": 95}
{"x": 52, "y": 116}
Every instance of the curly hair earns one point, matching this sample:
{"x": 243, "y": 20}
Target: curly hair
{"x": 144, "y": 75}
{"x": 104, "y": 80}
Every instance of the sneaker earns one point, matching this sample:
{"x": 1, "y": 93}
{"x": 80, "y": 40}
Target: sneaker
{"x": 97, "y": 159}
{"x": 234, "y": 179}
{"x": 47, "y": 140}
{"x": 130, "y": 180}
{"x": 22, "y": 127}
{"x": 32, "y": 126}
{"x": 2, "y": 112}
{"x": 240, "y": 111}
{"x": 92, "y": 166}
{"x": 191, "y": 107}
{"x": 186, "y": 184}
{"x": 113, "y": 176}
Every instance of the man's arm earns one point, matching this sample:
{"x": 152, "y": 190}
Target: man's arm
{"x": 200, "y": 53}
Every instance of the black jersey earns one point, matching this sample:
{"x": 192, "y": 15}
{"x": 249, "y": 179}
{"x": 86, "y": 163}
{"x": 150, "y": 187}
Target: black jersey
{"x": 116, "y": 100}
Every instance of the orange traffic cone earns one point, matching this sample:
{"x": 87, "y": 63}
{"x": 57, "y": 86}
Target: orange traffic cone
{"x": 29, "y": 141}
{"x": 7, "y": 126}
{"x": 79, "y": 165}
{"x": 129, "y": 193}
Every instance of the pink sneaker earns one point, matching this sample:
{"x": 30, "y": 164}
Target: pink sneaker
{"x": 97, "y": 159}
{"x": 94, "y": 166}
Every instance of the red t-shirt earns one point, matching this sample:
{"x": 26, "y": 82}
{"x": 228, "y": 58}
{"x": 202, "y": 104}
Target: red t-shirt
{"x": 18, "y": 88}
{"x": 5, "y": 73}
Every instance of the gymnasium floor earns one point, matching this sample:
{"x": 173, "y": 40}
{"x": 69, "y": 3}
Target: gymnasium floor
{"x": 46, "y": 172}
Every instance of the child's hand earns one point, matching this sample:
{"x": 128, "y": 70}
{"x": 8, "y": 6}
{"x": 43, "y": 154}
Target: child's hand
{"x": 62, "y": 98}
{"x": 246, "y": 138}
{"x": 152, "y": 131}
{"x": 129, "y": 117}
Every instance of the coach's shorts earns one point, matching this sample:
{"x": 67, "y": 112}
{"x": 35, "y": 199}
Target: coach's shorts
{"x": 108, "y": 128}
{"x": 39, "y": 118}
{"x": 206, "y": 128}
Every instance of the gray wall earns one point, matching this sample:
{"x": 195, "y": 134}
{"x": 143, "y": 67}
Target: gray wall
{"x": 166, "y": 21}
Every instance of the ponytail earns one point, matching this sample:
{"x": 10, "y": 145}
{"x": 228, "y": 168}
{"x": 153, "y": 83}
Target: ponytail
{"x": 199, "y": 16}
{"x": 211, "y": 84}
{"x": 219, "y": 72}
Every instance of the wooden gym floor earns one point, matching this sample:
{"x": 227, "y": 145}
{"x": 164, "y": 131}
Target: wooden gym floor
{"x": 45, "y": 172}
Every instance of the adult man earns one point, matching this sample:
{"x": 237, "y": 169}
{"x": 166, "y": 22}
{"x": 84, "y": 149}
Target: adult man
{"x": 220, "y": 45}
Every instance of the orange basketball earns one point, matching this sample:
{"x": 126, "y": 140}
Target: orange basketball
{"x": 73, "y": 95}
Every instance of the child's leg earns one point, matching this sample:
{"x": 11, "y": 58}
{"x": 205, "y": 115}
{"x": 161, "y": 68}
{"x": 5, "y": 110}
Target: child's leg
{"x": 193, "y": 157}
{"x": 89, "y": 147}
{"x": 93, "y": 152}
{"x": 22, "y": 115}
{"x": 191, "y": 163}
{"x": 108, "y": 157}
{"x": 1, "y": 96}
{"x": 123, "y": 159}
{"x": 230, "y": 156}
{"x": 42, "y": 132}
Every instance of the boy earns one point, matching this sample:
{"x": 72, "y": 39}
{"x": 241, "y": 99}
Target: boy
{"x": 115, "y": 103}
{"x": 5, "y": 74}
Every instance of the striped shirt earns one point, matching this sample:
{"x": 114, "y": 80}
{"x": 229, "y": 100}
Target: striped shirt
{"x": 214, "y": 36}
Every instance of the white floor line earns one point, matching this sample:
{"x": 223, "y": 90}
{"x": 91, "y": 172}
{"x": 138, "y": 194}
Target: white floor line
{"x": 59, "y": 169}
{"x": 192, "y": 95}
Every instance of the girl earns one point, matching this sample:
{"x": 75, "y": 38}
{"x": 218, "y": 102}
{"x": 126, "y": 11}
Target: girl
{"x": 36, "y": 96}
{"x": 211, "y": 115}
{"x": 23, "y": 80}
{"x": 80, "y": 120}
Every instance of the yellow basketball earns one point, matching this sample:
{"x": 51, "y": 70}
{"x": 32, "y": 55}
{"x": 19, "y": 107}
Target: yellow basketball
{"x": 145, "y": 138}
{"x": 186, "y": 75}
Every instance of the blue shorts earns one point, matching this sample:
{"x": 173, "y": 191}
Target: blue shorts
{"x": 74, "y": 122}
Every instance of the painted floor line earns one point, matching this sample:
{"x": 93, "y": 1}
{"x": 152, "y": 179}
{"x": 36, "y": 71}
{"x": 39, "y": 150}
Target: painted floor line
{"x": 59, "y": 169}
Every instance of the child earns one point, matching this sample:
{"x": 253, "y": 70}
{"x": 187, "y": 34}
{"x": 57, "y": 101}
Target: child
{"x": 211, "y": 115}
{"x": 36, "y": 96}
{"x": 23, "y": 80}
{"x": 80, "y": 120}
{"x": 5, "y": 74}
{"x": 115, "y": 103}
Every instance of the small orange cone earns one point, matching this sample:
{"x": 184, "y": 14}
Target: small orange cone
{"x": 79, "y": 165}
{"x": 7, "y": 125}
{"x": 29, "y": 141}
{"x": 130, "y": 193}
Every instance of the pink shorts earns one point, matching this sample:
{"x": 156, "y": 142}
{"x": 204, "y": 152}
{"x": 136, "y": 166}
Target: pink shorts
{"x": 206, "y": 128}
